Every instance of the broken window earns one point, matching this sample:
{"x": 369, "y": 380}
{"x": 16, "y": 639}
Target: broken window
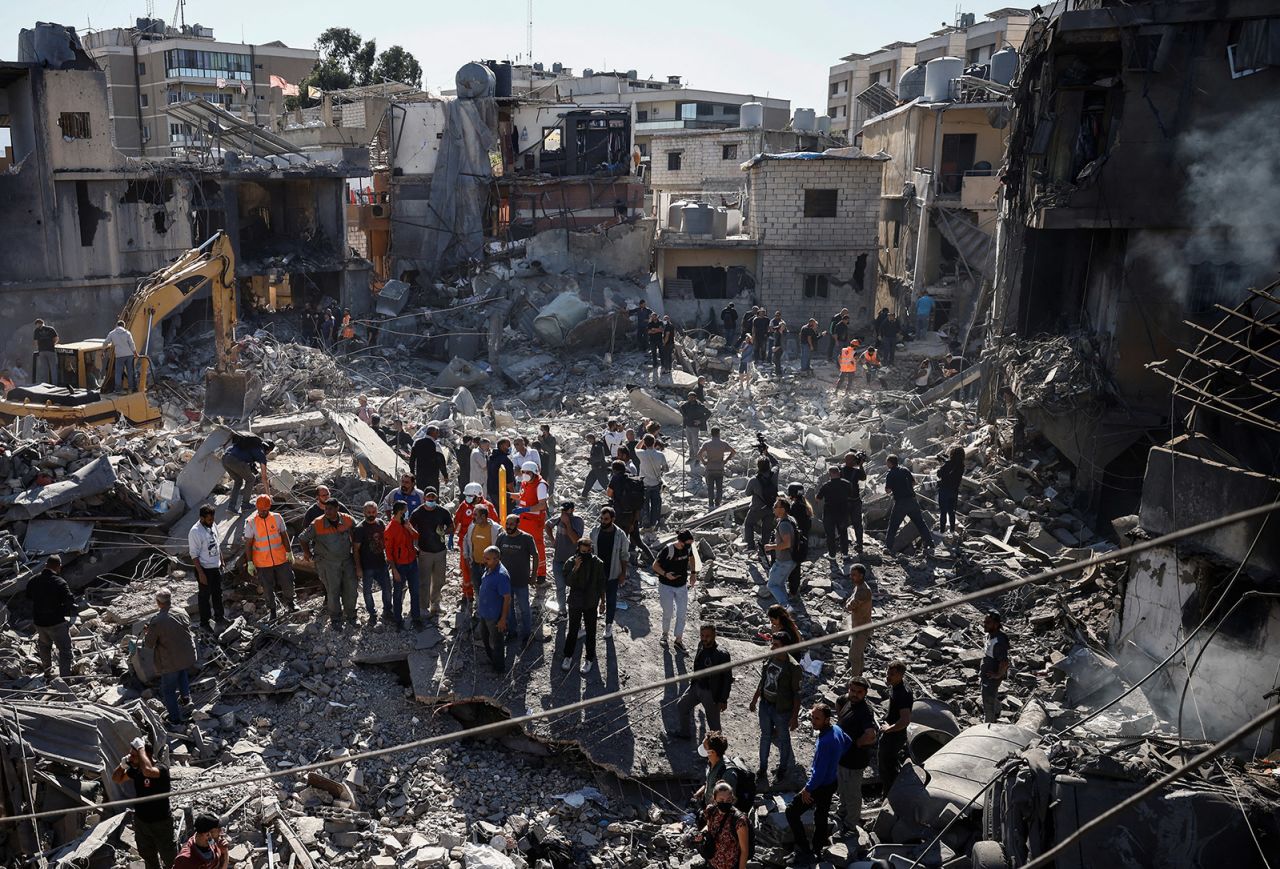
{"x": 673, "y": 161}
{"x": 74, "y": 125}
{"x": 728, "y": 152}
{"x": 820, "y": 202}
{"x": 815, "y": 286}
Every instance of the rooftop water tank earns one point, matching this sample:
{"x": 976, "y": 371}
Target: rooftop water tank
{"x": 502, "y": 78}
{"x": 556, "y": 67}
{"x": 588, "y": 72}
{"x": 1004, "y": 65}
{"x": 633, "y": 74}
{"x": 675, "y": 214}
{"x": 475, "y": 80}
{"x": 938, "y": 74}
{"x": 805, "y": 120}
{"x": 696, "y": 218}
{"x": 824, "y": 124}
{"x": 751, "y": 115}
{"x": 911, "y": 83}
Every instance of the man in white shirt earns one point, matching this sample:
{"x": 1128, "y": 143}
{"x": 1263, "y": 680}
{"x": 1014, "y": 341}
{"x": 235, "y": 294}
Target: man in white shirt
{"x": 206, "y": 555}
{"x": 653, "y": 464}
{"x": 120, "y": 340}
{"x": 521, "y": 452}
{"x": 480, "y": 466}
{"x": 614, "y": 437}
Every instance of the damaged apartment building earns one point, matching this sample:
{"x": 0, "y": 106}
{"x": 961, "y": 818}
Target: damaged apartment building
{"x": 88, "y": 221}
{"x": 1135, "y": 319}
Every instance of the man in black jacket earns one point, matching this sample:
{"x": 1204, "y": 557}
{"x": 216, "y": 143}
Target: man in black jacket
{"x": 51, "y": 610}
{"x": 694, "y": 415}
{"x": 428, "y": 460}
{"x": 711, "y": 691}
{"x": 836, "y": 495}
{"x": 854, "y": 470}
{"x": 599, "y": 463}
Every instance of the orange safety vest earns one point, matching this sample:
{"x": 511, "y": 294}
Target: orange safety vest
{"x": 347, "y": 330}
{"x": 848, "y": 360}
{"x": 268, "y": 542}
{"x": 872, "y": 357}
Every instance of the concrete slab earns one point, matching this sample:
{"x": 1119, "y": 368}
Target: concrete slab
{"x": 198, "y": 476}
{"x": 374, "y": 458}
{"x": 46, "y": 536}
{"x": 270, "y": 424}
{"x": 93, "y": 479}
{"x": 648, "y": 405}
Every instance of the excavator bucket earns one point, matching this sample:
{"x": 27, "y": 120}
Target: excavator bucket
{"x": 230, "y": 395}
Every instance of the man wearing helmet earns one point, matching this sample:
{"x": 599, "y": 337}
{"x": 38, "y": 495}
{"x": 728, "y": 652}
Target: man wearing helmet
{"x": 532, "y": 511}
{"x": 472, "y": 497}
{"x": 270, "y": 559}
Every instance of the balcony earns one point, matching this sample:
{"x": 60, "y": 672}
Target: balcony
{"x": 978, "y": 192}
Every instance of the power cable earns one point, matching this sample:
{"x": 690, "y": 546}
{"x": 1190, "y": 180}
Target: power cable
{"x": 518, "y": 721}
{"x": 1109, "y": 816}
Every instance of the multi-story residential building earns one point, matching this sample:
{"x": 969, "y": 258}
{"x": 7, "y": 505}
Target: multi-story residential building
{"x": 970, "y": 40}
{"x": 152, "y": 65}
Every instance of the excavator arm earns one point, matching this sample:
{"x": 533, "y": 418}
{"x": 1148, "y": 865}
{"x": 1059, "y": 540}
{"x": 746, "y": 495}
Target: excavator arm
{"x": 211, "y": 264}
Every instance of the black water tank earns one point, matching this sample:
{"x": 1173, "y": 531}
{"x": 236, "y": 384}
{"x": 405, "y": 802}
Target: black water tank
{"x": 502, "y": 72}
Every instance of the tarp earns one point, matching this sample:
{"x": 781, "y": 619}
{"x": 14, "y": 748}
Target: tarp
{"x": 460, "y": 186}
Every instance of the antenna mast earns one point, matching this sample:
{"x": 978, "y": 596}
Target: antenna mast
{"x": 529, "y": 36}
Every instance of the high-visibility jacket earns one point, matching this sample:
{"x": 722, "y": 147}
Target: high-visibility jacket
{"x": 535, "y": 523}
{"x": 268, "y": 541}
{"x": 848, "y": 360}
{"x": 872, "y": 357}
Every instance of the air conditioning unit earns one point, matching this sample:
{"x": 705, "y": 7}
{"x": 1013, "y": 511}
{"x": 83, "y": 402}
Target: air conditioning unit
{"x": 380, "y": 210}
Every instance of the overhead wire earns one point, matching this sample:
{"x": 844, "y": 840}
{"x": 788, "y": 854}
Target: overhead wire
{"x": 498, "y": 727}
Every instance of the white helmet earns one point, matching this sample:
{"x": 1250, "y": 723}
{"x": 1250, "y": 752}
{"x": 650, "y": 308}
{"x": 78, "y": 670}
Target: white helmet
{"x": 531, "y": 467}
{"x": 473, "y": 490}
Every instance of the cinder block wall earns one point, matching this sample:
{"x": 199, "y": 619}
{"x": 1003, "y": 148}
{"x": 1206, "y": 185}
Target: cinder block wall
{"x": 793, "y": 245}
{"x": 702, "y": 163}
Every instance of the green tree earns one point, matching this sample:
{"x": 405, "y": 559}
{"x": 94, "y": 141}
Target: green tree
{"x": 396, "y": 64}
{"x": 349, "y": 60}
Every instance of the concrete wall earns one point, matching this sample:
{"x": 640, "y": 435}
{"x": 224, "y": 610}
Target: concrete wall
{"x": 671, "y": 259}
{"x": 1170, "y": 590}
{"x": 414, "y": 142}
{"x": 702, "y": 162}
{"x": 793, "y": 245}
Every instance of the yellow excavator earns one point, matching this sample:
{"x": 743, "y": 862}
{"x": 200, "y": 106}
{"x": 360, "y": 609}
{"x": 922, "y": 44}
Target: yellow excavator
{"x": 82, "y": 366}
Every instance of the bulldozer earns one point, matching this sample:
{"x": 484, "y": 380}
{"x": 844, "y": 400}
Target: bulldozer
{"x": 83, "y": 368}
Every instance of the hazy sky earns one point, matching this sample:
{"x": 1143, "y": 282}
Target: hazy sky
{"x": 775, "y": 48}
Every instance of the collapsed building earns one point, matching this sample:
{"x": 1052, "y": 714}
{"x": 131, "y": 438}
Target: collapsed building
{"x": 532, "y": 247}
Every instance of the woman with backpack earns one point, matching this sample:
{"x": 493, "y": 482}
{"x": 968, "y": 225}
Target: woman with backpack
{"x": 725, "y": 842}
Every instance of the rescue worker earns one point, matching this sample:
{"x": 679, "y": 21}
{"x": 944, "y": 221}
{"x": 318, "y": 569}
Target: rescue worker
{"x": 532, "y": 511}
{"x": 870, "y": 361}
{"x": 848, "y": 365}
{"x": 472, "y": 498}
{"x": 329, "y": 542}
{"x": 271, "y": 559}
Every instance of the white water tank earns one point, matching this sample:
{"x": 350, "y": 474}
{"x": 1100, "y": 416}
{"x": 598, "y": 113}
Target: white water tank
{"x": 751, "y": 115}
{"x": 805, "y": 120}
{"x": 1004, "y": 65}
{"x": 938, "y": 74}
{"x": 824, "y": 124}
{"x": 911, "y": 83}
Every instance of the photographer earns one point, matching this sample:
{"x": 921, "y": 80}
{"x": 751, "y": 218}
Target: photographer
{"x": 837, "y": 496}
{"x": 763, "y": 490}
{"x": 854, "y": 471}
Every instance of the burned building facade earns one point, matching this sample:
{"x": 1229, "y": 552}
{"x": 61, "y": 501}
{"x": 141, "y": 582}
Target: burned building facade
{"x": 1133, "y": 201}
{"x": 90, "y": 222}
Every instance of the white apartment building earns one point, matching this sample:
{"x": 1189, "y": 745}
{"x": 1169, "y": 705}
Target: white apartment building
{"x": 972, "y": 40}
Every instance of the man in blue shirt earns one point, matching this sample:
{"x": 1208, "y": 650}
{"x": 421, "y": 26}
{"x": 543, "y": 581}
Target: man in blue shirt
{"x": 408, "y": 492}
{"x": 899, "y": 483}
{"x": 821, "y": 787}
{"x": 924, "y": 314}
{"x": 242, "y": 460}
{"x": 493, "y": 605}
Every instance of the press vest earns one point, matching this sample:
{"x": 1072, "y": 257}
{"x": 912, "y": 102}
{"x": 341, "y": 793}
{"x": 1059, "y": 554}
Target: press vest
{"x": 268, "y": 543}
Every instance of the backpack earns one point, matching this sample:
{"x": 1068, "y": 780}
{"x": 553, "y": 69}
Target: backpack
{"x": 631, "y": 498}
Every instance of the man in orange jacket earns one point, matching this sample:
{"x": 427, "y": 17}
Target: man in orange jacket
{"x": 532, "y": 511}
{"x": 848, "y": 365}
{"x": 472, "y": 497}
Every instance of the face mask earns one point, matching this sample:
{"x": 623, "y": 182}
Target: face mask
{"x": 430, "y": 502}
{"x": 526, "y": 477}
{"x": 724, "y": 807}
{"x": 471, "y": 499}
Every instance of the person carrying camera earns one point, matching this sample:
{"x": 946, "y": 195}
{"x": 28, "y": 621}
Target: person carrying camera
{"x": 855, "y": 472}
